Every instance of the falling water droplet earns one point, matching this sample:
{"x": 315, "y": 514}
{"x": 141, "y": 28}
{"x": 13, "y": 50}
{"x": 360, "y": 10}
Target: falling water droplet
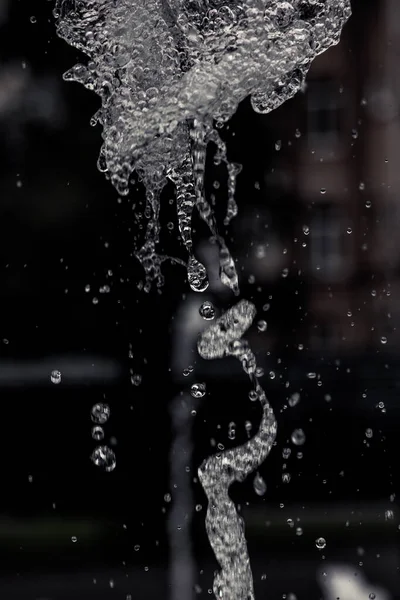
{"x": 383, "y": 340}
{"x": 298, "y": 437}
{"x": 207, "y": 311}
{"x": 294, "y": 399}
{"x": 197, "y": 275}
{"x": 74, "y": 539}
{"x": 198, "y": 390}
{"x": 259, "y": 485}
{"x": 262, "y": 325}
{"x": 97, "y": 433}
{"x": 100, "y": 413}
{"x": 104, "y": 458}
{"x": 320, "y": 543}
{"x": 55, "y": 377}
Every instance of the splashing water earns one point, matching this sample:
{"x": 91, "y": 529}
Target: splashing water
{"x": 170, "y": 73}
{"x": 224, "y": 526}
{"x": 167, "y": 70}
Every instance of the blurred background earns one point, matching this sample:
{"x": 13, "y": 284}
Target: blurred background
{"x": 318, "y": 253}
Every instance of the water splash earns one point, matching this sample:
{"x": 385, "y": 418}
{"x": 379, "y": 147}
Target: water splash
{"x": 167, "y": 70}
{"x": 224, "y": 526}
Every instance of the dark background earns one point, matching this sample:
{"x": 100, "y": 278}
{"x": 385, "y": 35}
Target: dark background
{"x": 321, "y": 165}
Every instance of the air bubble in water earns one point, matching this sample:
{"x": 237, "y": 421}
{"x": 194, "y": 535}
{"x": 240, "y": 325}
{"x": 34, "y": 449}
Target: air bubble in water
{"x": 55, "y": 377}
{"x": 104, "y": 458}
{"x": 100, "y": 413}
{"x": 97, "y": 433}
{"x": 320, "y": 543}
{"x": 207, "y": 311}
{"x": 259, "y": 485}
{"x": 198, "y": 390}
{"x": 298, "y": 437}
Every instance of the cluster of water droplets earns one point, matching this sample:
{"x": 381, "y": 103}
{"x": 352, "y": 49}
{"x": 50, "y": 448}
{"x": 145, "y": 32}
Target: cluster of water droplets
{"x": 102, "y": 456}
{"x": 167, "y": 71}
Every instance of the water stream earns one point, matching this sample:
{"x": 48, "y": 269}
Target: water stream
{"x": 169, "y": 74}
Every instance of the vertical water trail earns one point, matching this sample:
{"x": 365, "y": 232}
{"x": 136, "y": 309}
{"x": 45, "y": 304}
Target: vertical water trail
{"x": 224, "y": 526}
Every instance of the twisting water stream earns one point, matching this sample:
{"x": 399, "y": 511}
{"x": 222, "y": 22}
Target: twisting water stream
{"x": 167, "y": 71}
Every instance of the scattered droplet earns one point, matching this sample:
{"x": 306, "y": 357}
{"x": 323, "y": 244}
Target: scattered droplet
{"x": 259, "y": 485}
{"x": 294, "y": 399}
{"x": 320, "y": 543}
{"x": 298, "y": 437}
{"x": 369, "y": 433}
{"x": 74, "y": 539}
{"x": 389, "y": 515}
{"x": 383, "y": 340}
{"x": 198, "y": 390}
{"x": 207, "y": 311}
{"x": 55, "y": 377}
{"x": 104, "y": 458}
{"x": 100, "y": 413}
{"x": 262, "y": 325}
{"x": 197, "y": 275}
{"x": 136, "y": 379}
{"x": 97, "y": 433}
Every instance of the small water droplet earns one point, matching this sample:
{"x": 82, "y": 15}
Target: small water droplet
{"x": 33, "y": 19}
{"x": 383, "y": 340}
{"x": 104, "y": 458}
{"x": 298, "y": 437}
{"x": 100, "y": 413}
{"x": 389, "y": 515}
{"x": 197, "y": 275}
{"x": 97, "y": 433}
{"x": 207, "y": 311}
{"x": 55, "y": 377}
{"x": 259, "y": 485}
{"x": 323, "y": 190}
{"x": 262, "y": 325}
{"x": 74, "y": 539}
{"x": 349, "y": 230}
{"x": 320, "y": 543}
{"x": 299, "y": 531}
{"x": 294, "y": 399}
{"x": 198, "y": 390}
{"x": 306, "y": 229}
{"x": 136, "y": 379}
{"x": 369, "y": 433}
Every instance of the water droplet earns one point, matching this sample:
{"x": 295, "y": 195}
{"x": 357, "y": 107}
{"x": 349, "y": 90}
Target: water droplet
{"x": 104, "y": 458}
{"x": 97, "y": 433}
{"x": 323, "y": 190}
{"x": 33, "y": 19}
{"x": 389, "y": 515}
{"x": 361, "y": 186}
{"x": 197, "y": 275}
{"x": 306, "y": 229}
{"x": 253, "y": 395}
{"x": 311, "y": 375}
{"x": 369, "y": 433}
{"x": 299, "y": 531}
{"x": 278, "y": 145}
{"x": 198, "y": 390}
{"x": 259, "y": 485}
{"x": 298, "y": 437}
{"x": 74, "y": 539}
{"x": 262, "y": 325}
{"x": 231, "y": 430}
{"x": 294, "y": 399}
{"x": 100, "y": 413}
{"x": 167, "y": 498}
{"x": 207, "y": 311}
{"x": 320, "y": 543}
{"x": 55, "y": 377}
{"x": 286, "y": 452}
{"x": 349, "y": 230}
{"x": 272, "y": 374}
{"x": 136, "y": 379}
{"x": 372, "y": 596}
{"x": 286, "y": 477}
{"x": 383, "y": 340}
